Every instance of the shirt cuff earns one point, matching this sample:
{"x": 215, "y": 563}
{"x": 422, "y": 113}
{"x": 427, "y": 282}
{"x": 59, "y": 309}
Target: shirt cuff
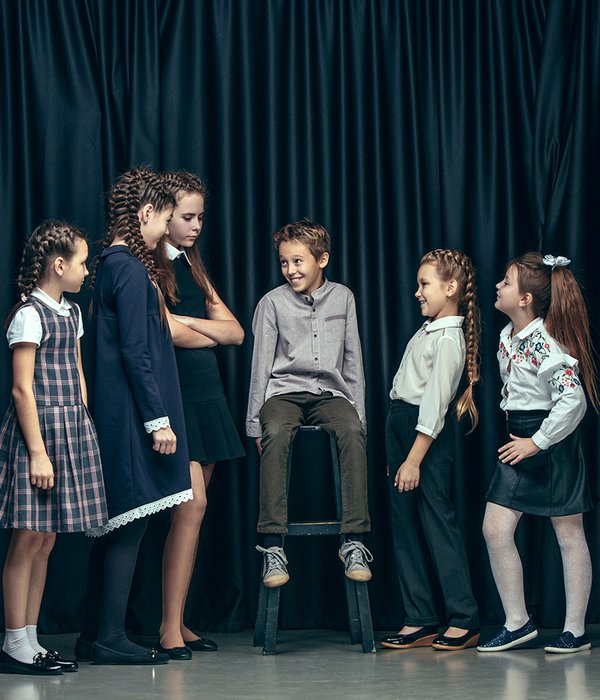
{"x": 542, "y": 442}
{"x": 157, "y": 424}
{"x": 426, "y": 431}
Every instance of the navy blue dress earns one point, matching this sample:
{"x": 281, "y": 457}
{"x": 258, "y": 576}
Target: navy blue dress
{"x": 211, "y": 432}
{"x": 135, "y": 381}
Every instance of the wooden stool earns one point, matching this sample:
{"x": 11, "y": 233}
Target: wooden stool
{"x": 357, "y": 594}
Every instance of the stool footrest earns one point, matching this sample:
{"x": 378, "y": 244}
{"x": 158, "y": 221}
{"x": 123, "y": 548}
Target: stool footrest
{"x": 327, "y": 527}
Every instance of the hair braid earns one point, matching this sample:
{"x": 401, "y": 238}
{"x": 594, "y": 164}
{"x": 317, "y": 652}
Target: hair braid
{"x": 453, "y": 264}
{"x": 49, "y": 240}
{"x": 133, "y": 190}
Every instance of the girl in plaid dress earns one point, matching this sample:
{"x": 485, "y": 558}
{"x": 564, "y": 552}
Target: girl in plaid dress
{"x": 50, "y": 472}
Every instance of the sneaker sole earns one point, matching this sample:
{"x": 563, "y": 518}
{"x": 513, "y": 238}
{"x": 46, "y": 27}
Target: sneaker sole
{"x": 359, "y": 575}
{"x": 276, "y": 581}
{"x": 510, "y": 645}
{"x": 421, "y": 642}
{"x": 557, "y": 650}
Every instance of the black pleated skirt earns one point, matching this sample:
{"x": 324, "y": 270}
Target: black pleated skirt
{"x": 553, "y": 482}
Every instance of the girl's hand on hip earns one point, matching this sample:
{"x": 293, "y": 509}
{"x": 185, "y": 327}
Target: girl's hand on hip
{"x": 41, "y": 472}
{"x": 517, "y": 449}
{"x": 165, "y": 441}
{"x": 407, "y": 477}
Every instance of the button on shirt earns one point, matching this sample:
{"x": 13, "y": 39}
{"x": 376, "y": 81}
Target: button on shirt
{"x": 538, "y": 375}
{"x": 303, "y": 344}
{"x": 430, "y": 371}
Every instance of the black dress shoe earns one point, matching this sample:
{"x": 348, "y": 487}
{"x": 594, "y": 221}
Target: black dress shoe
{"x": 41, "y": 666}
{"x": 66, "y": 665}
{"x": 105, "y": 656}
{"x": 467, "y": 640}
{"x": 175, "y": 653}
{"x": 83, "y": 649}
{"x": 202, "y": 644}
{"x": 420, "y": 638}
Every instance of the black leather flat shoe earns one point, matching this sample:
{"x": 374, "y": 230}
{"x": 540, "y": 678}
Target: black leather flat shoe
{"x": 466, "y": 641}
{"x": 202, "y": 644}
{"x": 83, "y": 649}
{"x": 105, "y": 656}
{"x": 66, "y": 665}
{"x": 420, "y": 638}
{"x": 175, "y": 653}
{"x": 41, "y": 666}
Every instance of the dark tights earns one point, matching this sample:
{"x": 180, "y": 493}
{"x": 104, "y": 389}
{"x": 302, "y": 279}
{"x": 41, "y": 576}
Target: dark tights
{"x": 112, "y": 564}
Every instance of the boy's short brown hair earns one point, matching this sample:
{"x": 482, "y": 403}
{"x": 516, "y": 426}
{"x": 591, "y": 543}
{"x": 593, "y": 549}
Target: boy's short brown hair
{"x": 313, "y": 235}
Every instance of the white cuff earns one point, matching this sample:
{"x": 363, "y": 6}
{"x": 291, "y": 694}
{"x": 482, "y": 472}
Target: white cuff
{"x": 157, "y": 424}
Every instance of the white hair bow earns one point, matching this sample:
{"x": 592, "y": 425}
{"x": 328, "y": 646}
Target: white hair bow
{"x": 558, "y": 261}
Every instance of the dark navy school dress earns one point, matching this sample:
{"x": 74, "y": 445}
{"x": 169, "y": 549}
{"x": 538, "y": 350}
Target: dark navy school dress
{"x": 76, "y": 502}
{"x": 211, "y": 432}
{"x": 135, "y": 381}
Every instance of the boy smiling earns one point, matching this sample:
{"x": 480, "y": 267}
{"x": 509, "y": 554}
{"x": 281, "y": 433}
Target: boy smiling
{"x": 307, "y": 369}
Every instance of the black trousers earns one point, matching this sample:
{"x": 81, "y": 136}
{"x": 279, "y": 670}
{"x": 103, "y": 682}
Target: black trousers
{"x": 425, "y": 529}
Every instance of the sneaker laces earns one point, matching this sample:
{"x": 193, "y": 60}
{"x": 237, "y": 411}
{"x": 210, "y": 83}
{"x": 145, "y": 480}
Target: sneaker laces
{"x": 274, "y": 557}
{"x": 355, "y": 552}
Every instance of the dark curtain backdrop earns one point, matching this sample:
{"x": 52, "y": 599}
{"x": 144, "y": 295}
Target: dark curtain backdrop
{"x": 402, "y": 125}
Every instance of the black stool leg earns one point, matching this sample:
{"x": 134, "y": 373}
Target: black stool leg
{"x": 364, "y": 612}
{"x": 261, "y": 616}
{"x": 272, "y": 615}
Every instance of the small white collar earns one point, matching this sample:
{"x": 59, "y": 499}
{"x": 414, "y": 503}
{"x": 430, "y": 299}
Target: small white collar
{"x": 62, "y": 307}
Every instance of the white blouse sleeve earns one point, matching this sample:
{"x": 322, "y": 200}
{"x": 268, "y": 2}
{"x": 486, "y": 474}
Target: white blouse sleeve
{"x": 446, "y": 370}
{"x": 561, "y": 373}
{"x": 25, "y": 327}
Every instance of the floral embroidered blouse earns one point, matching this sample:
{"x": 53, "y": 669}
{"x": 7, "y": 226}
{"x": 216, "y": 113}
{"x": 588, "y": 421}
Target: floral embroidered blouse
{"x": 538, "y": 375}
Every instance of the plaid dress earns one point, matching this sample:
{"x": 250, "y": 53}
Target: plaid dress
{"x": 76, "y": 502}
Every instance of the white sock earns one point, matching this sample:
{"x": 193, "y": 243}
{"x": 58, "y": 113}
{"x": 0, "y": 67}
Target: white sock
{"x": 33, "y": 639}
{"x": 17, "y": 645}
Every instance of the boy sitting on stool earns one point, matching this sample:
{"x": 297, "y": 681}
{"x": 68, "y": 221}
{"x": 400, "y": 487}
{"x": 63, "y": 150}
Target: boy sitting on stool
{"x": 307, "y": 369}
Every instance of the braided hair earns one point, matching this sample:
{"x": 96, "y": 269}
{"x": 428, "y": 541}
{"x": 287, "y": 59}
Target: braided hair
{"x": 181, "y": 183}
{"x": 132, "y": 191}
{"x": 452, "y": 264}
{"x": 50, "y": 240}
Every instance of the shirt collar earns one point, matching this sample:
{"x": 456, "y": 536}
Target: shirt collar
{"x": 60, "y": 307}
{"x": 524, "y": 332}
{"x": 173, "y": 253}
{"x": 318, "y": 293}
{"x": 445, "y": 322}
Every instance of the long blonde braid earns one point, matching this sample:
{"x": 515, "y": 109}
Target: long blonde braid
{"x": 453, "y": 264}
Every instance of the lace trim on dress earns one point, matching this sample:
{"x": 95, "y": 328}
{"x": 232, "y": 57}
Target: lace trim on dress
{"x": 141, "y": 512}
{"x": 157, "y": 424}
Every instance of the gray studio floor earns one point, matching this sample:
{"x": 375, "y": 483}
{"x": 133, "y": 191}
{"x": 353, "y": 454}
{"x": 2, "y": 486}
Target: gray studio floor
{"x": 322, "y": 664}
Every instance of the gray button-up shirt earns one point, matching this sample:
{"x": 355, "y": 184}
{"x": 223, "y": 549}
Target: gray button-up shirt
{"x": 304, "y": 344}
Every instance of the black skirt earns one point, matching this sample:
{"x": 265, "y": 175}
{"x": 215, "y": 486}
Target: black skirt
{"x": 552, "y": 482}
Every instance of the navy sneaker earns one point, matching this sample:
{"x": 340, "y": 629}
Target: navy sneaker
{"x": 567, "y": 643}
{"x": 507, "y": 640}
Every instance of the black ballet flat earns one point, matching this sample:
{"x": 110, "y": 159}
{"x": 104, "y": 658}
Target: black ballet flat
{"x": 466, "y": 641}
{"x": 66, "y": 665}
{"x": 175, "y": 653}
{"x": 105, "y": 656}
{"x": 420, "y": 638}
{"x": 202, "y": 644}
{"x": 41, "y": 666}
